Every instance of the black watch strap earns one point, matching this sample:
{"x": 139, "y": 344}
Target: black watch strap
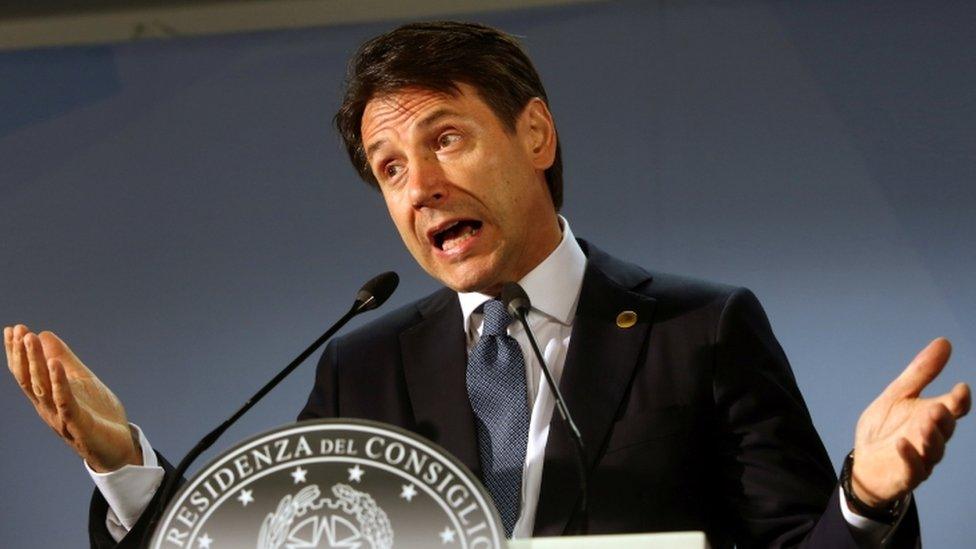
{"x": 887, "y": 515}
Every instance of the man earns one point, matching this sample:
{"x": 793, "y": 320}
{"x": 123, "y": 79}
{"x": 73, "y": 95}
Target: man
{"x": 690, "y": 414}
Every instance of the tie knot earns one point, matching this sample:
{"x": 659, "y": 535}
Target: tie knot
{"x": 496, "y": 319}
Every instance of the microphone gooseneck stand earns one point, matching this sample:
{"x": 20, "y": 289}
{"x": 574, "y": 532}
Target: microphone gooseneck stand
{"x": 369, "y": 297}
{"x": 517, "y": 303}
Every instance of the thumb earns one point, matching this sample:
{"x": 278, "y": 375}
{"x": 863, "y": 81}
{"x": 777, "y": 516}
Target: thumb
{"x": 923, "y": 369}
{"x": 55, "y": 347}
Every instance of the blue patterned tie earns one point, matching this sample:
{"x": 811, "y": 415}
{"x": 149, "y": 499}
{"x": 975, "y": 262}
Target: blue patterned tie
{"x": 499, "y": 398}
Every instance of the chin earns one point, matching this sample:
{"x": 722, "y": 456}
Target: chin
{"x": 468, "y": 282}
{"x": 466, "y": 286}
{"x": 474, "y": 274}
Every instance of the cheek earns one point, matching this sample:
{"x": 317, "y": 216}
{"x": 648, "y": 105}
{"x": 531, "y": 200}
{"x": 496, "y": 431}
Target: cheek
{"x": 489, "y": 177}
{"x": 493, "y": 159}
{"x": 401, "y": 217}
{"x": 417, "y": 250}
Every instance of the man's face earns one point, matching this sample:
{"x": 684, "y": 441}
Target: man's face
{"x": 467, "y": 195}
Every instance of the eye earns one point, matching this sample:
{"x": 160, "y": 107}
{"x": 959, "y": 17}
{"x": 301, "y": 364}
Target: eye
{"x": 445, "y": 140}
{"x": 392, "y": 170}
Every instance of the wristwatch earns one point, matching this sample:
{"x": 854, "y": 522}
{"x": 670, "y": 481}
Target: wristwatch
{"x": 888, "y": 514}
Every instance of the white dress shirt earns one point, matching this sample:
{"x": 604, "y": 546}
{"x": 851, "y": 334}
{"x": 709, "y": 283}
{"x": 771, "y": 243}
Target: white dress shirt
{"x": 553, "y": 288}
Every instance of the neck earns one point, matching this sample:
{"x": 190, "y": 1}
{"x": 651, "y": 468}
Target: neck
{"x": 545, "y": 242}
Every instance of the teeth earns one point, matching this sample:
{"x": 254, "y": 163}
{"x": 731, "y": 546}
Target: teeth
{"x": 466, "y": 233}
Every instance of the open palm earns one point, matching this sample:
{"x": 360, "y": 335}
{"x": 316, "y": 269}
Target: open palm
{"x": 901, "y": 436}
{"x": 70, "y": 399}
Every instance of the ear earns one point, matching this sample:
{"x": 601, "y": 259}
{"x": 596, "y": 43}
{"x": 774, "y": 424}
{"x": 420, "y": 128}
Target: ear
{"x": 538, "y": 133}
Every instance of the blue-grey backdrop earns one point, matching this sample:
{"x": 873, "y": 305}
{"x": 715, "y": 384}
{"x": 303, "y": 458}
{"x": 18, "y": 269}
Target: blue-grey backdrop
{"x": 183, "y": 215}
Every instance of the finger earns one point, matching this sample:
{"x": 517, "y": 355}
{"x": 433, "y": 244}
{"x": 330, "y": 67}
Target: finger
{"x": 943, "y": 419}
{"x": 8, "y": 345}
{"x": 19, "y": 364}
{"x": 40, "y": 382}
{"x": 932, "y": 442}
{"x": 959, "y": 400}
{"x": 922, "y": 370}
{"x": 64, "y": 400}
{"x": 914, "y": 462}
{"x": 20, "y": 331}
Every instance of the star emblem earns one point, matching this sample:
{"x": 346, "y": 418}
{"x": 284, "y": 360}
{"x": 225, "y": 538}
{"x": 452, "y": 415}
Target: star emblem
{"x": 408, "y": 492}
{"x": 245, "y": 497}
{"x": 299, "y": 474}
{"x": 356, "y": 473}
{"x": 447, "y": 535}
{"x": 204, "y": 541}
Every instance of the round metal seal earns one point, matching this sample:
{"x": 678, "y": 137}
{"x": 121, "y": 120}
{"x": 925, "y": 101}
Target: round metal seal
{"x": 332, "y": 483}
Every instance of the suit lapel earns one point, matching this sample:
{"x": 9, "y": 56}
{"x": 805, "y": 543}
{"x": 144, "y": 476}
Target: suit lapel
{"x": 599, "y": 366}
{"x": 434, "y": 361}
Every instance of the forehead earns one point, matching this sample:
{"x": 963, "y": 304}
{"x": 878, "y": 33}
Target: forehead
{"x": 415, "y": 106}
{"x": 401, "y": 107}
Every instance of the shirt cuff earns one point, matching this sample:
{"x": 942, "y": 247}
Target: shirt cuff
{"x": 867, "y": 532}
{"x": 129, "y": 489}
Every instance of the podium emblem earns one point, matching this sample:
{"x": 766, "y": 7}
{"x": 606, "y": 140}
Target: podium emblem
{"x": 348, "y": 484}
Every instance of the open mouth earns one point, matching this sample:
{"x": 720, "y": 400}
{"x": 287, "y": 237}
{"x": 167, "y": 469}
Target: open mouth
{"x": 455, "y": 234}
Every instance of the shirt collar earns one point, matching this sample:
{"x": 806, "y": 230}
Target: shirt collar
{"x": 553, "y": 286}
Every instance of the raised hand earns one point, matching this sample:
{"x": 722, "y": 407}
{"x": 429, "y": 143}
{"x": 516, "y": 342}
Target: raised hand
{"x": 901, "y": 436}
{"x": 71, "y": 399}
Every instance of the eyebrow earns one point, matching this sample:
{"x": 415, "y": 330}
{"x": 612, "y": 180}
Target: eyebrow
{"x": 372, "y": 148}
{"x": 426, "y": 122}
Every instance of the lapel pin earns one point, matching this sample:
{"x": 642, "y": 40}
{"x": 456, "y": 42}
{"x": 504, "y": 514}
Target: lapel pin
{"x": 626, "y": 319}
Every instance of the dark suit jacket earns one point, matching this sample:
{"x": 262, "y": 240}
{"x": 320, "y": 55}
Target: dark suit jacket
{"x": 691, "y": 418}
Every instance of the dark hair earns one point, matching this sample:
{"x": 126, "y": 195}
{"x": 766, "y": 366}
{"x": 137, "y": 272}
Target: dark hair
{"x": 438, "y": 56}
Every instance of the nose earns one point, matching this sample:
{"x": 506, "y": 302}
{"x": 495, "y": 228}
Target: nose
{"x": 427, "y": 181}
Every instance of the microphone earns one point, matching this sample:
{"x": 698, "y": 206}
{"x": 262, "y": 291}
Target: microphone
{"x": 517, "y": 303}
{"x": 376, "y": 291}
{"x": 373, "y": 294}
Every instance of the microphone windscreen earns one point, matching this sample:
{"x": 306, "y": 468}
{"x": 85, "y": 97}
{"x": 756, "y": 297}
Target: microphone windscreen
{"x": 375, "y": 292}
{"x": 515, "y": 299}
